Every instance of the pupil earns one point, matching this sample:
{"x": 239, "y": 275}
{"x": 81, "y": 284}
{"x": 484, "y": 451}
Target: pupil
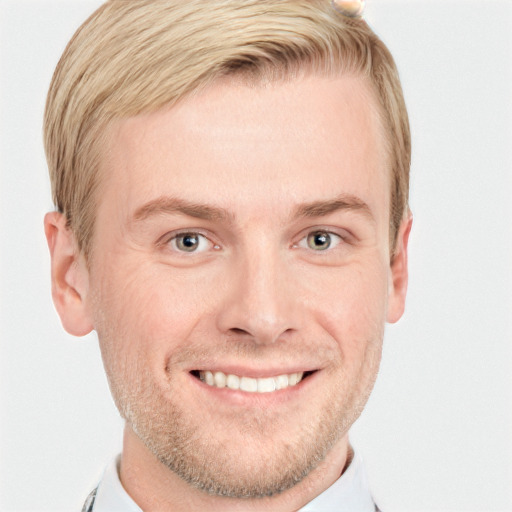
{"x": 320, "y": 239}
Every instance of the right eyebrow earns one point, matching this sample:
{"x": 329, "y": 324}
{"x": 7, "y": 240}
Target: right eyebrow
{"x": 170, "y": 205}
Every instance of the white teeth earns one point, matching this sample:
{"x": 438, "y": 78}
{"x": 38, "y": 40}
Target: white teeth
{"x": 233, "y": 382}
{"x": 266, "y": 385}
{"x": 220, "y": 379}
{"x": 282, "y": 382}
{"x": 293, "y": 379}
{"x": 248, "y": 384}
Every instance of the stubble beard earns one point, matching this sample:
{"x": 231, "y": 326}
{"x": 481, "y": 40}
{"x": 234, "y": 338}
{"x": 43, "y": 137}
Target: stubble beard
{"x": 242, "y": 464}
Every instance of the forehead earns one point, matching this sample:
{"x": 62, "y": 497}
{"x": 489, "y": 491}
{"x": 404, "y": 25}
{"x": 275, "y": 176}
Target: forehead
{"x": 296, "y": 139}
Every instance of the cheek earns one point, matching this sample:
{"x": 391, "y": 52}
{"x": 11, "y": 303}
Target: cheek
{"x": 151, "y": 307}
{"x": 367, "y": 297}
{"x": 352, "y": 306}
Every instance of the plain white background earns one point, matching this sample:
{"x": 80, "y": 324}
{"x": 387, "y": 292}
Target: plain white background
{"x": 437, "y": 432}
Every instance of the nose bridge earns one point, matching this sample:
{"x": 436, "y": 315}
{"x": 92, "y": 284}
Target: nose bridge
{"x": 260, "y": 301}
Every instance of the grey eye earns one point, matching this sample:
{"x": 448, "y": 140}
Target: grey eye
{"x": 189, "y": 242}
{"x": 319, "y": 240}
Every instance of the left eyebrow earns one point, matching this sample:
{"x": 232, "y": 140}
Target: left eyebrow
{"x": 343, "y": 202}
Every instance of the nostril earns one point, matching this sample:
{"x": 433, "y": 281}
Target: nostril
{"x": 236, "y": 330}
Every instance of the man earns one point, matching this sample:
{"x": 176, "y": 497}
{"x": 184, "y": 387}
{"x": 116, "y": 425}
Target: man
{"x": 231, "y": 180}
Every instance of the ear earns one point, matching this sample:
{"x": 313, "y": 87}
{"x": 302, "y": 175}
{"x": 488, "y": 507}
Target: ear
{"x": 399, "y": 274}
{"x": 70, "y": 277}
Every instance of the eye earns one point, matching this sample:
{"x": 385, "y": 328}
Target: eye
{"x": 190, "y": 242}
{"x": 320, "y": 240}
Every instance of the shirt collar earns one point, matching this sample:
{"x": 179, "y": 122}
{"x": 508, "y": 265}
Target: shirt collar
{"x": 349, "y": 492}
{"x": 111, "y": 496}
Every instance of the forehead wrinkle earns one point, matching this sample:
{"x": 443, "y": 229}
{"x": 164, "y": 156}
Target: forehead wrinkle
{"x": 171, "y": 205}
{"x": 325, "y": 207}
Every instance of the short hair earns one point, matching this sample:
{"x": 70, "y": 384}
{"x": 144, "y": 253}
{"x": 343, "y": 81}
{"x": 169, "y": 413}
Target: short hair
{"x": 137, "y": 56}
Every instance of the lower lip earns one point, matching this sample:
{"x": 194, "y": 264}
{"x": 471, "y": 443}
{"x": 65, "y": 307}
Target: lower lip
{"x": 238, "y": 397}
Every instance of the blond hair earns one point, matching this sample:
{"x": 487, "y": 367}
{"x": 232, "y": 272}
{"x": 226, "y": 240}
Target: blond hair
{"x": 136, "y": 56}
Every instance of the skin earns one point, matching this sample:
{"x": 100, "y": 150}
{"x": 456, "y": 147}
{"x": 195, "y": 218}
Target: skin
{"x": 255, "y": 172}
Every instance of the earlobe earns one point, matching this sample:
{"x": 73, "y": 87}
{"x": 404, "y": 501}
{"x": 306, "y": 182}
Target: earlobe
{"x": 69, "y": 275}
{"x": 399, "y": 274}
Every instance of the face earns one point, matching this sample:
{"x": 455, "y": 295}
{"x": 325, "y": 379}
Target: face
{"x": 240, "y": 277}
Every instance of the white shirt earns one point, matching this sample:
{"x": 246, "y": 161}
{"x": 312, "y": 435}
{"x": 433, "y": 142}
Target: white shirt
{"x": 349, "y": 493}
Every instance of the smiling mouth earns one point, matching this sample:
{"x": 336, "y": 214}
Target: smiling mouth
{"x": 248, "y": 384}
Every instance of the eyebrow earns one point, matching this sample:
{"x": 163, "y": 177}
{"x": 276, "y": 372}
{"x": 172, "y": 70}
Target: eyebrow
{"x": 342, "y": 202}
{"x": 170, "y": 205}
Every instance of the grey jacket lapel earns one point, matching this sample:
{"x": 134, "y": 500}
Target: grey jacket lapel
{"x": 89, "y": 502}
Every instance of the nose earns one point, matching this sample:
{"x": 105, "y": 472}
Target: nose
{"x": 260, "y": 302}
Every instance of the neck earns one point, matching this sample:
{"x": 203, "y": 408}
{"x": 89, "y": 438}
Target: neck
{"x": 155, "y": 487}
